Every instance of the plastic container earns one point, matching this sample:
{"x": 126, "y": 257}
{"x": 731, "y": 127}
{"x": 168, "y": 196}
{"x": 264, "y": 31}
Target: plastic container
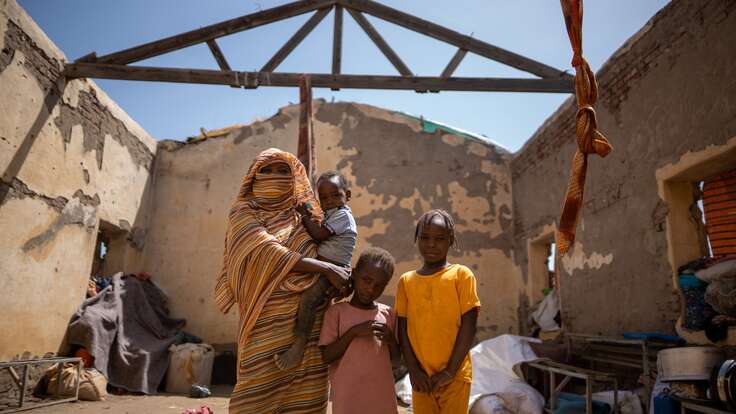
{"x": 189, "y": 364}
{"x": 688, "y": 363}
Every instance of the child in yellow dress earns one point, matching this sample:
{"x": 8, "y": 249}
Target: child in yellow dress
{"x": 437, "y": 307}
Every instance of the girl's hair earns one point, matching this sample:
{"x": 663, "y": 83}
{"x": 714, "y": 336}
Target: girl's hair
{"x": 328, "y": 175}
{"x": 427, "y": 217}
{"x": 377, "y": 256}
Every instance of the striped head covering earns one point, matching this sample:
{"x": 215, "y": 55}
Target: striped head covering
{"x": 265, "y": 238}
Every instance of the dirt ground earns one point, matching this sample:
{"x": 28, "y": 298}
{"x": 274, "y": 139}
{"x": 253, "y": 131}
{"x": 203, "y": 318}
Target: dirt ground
{"x": 150, "y": 404}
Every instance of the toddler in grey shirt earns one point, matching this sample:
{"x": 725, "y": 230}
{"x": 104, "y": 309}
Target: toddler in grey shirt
{"x": 337, "y": 235}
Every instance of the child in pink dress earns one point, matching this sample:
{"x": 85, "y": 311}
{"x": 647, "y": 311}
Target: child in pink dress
{"x": 359, "y": 343}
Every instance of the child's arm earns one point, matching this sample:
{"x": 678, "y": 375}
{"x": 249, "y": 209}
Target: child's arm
{"x": 317, "y": 231}
{"x": 335, "y": 350}
{"x": 463, "y": 342}
{"x": 395, "y": 352}
{"x": 419, "y": 378}
{"x": 388, "y": 336}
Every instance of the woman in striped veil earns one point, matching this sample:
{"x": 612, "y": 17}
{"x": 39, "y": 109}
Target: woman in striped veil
{"x": 268, "y": 262}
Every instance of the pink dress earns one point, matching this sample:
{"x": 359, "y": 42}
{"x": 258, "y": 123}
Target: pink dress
{"x": 362, "y": 380}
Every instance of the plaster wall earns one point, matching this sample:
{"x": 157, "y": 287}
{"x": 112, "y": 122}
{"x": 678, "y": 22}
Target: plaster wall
{"x": 668, "y": 92}
{"x": 396, "y": 170}
{"x": 69, "y": 157}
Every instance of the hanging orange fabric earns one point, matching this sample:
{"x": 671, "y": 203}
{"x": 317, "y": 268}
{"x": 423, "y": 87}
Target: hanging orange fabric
{"x": 589, "y": 139}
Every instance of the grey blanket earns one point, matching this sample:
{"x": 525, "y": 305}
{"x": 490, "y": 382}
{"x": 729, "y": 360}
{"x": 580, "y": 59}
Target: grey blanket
{"x": 127, "y": 328}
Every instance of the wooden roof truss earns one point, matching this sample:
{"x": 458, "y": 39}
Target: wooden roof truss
{"x": 118, "y": 65}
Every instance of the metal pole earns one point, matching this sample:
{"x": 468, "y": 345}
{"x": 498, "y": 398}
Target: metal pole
{"x": 645, "y": 363}
{"x": 552, "y": 387}
{"x": 79, "y": 368}
{"x": 23, "y": 386}
{"x": 616, "y": 408}
{"x": 588, "y": 396}
{"x": 59, "y": 366}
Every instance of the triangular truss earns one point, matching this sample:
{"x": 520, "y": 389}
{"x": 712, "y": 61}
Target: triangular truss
{"x": 117, "y": 65}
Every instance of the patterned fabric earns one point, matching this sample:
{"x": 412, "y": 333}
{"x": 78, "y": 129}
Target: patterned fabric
{"x": 719, "y": 205}
{"x": 264, "y": 240}
{"x": 589, "y": 139}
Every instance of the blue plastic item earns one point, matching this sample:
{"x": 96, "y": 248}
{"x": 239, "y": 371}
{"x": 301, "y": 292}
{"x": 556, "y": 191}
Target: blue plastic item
{"x": 691, "y": 281}
{"x": 664, "y": 404}
{"x": 653, "y": 335}
{"x": 568, "y": 403}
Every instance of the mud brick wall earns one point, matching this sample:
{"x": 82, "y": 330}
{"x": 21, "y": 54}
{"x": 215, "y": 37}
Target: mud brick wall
{"x": 396, "y": 170}
{"x": 667, "y": 93}
{"x": 70, "y": 159}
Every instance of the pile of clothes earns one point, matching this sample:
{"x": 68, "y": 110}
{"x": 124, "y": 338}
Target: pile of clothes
{"x": 124, "y": 331}
{"x": 709, "y": 288}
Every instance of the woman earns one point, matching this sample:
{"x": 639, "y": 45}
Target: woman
{"x": 268, "y": 262}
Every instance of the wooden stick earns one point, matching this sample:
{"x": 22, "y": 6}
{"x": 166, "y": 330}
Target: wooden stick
{"x": 381, "y": 43}
{"x": 256, "y": 79}
{"x": 305, "y": 145}
{"x": 294, "y": 41}
{"x": 454, "y": 63}
{"x": 214, "y": 31}
{"x": 217, "y": 53}
{"x": 452, "y": 37}
{"x": 337, "y": 41}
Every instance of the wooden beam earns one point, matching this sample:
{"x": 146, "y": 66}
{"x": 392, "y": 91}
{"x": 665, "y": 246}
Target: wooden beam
{"x": 217, "y": 53}
{"x": 256, "y": 79}
{"x": 219, "y": 57}
{"x": 381, "y": 43}
{"x": 452, "y": 37}
{"x": 141, "y": 73}
{"x": 214, "y": 31}
{"x": 294, "y": 41}
{"x": 453, "y": 64}
{"x": 337, "y": 41}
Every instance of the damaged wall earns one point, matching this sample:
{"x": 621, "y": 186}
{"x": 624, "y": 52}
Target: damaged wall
{"x": 397, "y": 171}
{"x": 70, "y": 158}
{"x": 667, "y": 92}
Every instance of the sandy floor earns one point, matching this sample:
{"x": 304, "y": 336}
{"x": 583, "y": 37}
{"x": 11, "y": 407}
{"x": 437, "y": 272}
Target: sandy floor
{"x": 132, "y": 404}
{"x": 163, "y": 403}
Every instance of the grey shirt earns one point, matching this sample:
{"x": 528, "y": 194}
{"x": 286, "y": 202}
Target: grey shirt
{"x": 339, "y": 247}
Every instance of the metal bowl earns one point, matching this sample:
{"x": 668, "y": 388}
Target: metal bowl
{"x": 688, "y": 363}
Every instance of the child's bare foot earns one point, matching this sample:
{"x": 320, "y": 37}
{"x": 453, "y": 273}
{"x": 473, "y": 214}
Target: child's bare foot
{"x": 291, "y": 357}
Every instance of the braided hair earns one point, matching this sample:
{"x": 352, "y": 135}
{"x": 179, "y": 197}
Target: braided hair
{"x": 379, "y": 257}
{"x": 427, "y": 217}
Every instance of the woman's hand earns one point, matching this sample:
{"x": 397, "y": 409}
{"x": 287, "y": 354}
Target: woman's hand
{"x": 339, "y": 277}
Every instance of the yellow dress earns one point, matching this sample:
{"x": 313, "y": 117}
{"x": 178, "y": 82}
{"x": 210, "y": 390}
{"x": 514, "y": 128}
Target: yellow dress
{"x": 433, "y": 306}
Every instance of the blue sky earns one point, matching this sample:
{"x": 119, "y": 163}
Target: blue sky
{"x": 533, "y": 28}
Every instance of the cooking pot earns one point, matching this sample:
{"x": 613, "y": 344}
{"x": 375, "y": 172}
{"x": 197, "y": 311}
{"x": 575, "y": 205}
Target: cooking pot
{"x": 688, "y": 363}
{"x": 723, "y": 384}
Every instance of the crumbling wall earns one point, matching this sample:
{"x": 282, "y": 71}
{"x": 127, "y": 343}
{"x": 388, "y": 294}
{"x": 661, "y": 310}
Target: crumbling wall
{"x": 69, "y": 157}
{"x": 667, "y": 92}
{"x": 397, "y": 171}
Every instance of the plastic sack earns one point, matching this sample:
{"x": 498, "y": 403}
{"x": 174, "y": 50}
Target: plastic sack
{"x": 92, "y": 384}
{"x": 721, "y": 295}
{"x": 496, "y": 373}
{"x": 717, "y": 271}
{"x": 628, "y": 402}
{"x": 545, "y": 313}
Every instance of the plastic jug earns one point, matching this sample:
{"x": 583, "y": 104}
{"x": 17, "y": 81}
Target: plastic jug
{"x": 189, "y": 364}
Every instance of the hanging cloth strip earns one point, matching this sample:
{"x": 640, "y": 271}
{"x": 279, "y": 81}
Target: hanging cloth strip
{"x": 589, "y": 139}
